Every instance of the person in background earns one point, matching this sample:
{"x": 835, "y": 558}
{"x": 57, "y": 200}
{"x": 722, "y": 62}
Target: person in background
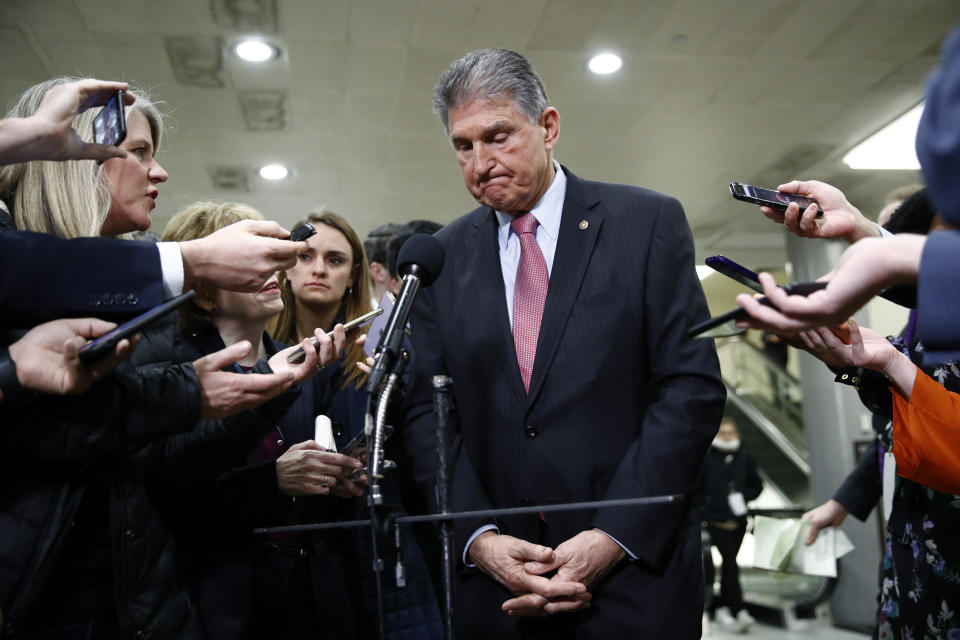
{"x": 396, "y": 243}
{"x": 728, "y": 481}
{"x": 375, "y": 246}
{"x": 893, "y": 201}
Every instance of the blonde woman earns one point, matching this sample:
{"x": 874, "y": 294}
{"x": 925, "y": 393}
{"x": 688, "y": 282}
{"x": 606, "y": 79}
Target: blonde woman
{"x": 221, "y": 480}
{"x": 80, "y": 198}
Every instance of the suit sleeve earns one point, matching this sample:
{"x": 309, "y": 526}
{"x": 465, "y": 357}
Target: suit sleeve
{"x": 97, "y": 277}
{"x": 862, "y": 489}
{"x": 419, "y": 430}
{"x": 938, "y": 304}
{"x": 686, "y": 395}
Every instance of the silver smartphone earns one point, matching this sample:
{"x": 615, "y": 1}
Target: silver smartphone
{"x": 378, "y": 326}
{"x": 298, "y": 355}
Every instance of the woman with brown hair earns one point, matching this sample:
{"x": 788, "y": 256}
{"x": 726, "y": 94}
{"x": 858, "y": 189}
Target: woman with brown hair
{"x": 328, "y": 285}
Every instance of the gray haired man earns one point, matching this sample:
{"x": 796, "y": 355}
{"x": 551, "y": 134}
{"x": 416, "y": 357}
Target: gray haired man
{"x": 561, "y": 315}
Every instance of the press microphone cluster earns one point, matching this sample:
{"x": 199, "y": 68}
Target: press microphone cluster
{"x": 419, "y": 262}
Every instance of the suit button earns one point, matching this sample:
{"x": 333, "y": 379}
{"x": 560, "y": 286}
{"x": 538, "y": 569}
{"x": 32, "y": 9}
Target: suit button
{"x": 119, "y": 298}
{"x": 525, "y": 502}
{"x": 337, "y": 429}
{"x": 132, "y": 299}
{"x": 130, "y": 533}
{"x": 106, "y": 299}
{"x": 94, "y": 300}
{"x": 530, "y": 431}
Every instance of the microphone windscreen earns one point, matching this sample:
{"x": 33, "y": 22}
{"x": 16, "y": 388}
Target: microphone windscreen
{"x": 421, "y": 253}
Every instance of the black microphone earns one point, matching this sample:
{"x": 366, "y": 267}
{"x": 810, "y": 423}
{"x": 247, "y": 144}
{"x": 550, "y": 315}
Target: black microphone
{"x": 420, "y": 261}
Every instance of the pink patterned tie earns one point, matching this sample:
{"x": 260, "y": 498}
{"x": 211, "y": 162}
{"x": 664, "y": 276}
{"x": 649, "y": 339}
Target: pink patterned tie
{"x": 529, "y": 294}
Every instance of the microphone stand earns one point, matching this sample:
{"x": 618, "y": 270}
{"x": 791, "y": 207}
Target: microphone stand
{"x": 443, "y": 406}
{"x": 381, "y": 520}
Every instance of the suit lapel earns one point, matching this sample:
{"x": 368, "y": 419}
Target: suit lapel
{"x": 489, "y": 301}
{"x": 574, "y": 247}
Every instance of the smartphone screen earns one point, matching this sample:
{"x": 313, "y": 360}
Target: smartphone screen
{"x": 105, "y": 343}
{"x": 110, "y": 127}
{"x": 378, "y": 326}
{"x": 297, "y": 356}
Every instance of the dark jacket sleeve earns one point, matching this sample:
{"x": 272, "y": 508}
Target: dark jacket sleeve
{"x": 687, "y": 398}
{"x": 938, "y": 304}
{"x": 754, "y": 484}
{"x": 99, "y": 277}
{"x": 419, "y": 428}
{"x": 862, "y": 488}
{"x": 214, "y": 446}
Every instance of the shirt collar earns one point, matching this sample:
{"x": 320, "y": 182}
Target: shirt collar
{"x": 547, "y": 211}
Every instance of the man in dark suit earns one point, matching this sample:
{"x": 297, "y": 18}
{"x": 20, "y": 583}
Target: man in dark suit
{"x": 561, "y": 315}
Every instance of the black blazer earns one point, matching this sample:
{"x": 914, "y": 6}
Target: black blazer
{"x": 621, "y": 403}
{"x": 43, "y": 277}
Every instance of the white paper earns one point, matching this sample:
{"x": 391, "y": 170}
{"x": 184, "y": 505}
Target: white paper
{"x": 737, "y": 504}
{"x": 779, "y": 546}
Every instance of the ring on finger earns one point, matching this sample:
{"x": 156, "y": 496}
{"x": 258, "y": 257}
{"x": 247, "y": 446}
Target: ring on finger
{"x": 323, "y": 482}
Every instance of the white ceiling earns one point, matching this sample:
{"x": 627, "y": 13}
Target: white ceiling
{"x": 711, "y": 91}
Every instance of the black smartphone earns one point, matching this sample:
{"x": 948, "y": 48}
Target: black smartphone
{"x": 358, "y": 446}
{"x": 110, "y": 125}
{"x": 735, "y": 271}
{"x": 297, "y": 356}
{"x": 725, "y": 324}
{"x": 770, "y": 198}
{"x": 96, "y": 349}
{"x": 303, "y": 232}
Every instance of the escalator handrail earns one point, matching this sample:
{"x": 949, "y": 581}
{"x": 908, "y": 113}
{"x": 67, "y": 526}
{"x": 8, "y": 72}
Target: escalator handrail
{"x": 799, "y": 457}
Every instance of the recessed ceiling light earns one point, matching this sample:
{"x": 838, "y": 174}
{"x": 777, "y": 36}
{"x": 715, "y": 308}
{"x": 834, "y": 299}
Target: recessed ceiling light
{"x": 604, "y": 63}
{"x": 253, "y": 50}
{"x": 892, "y": 147}
{"x": 273, "y": 172}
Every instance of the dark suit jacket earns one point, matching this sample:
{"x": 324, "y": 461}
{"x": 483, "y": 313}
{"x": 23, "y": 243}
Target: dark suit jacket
{"x": 43, "y": 277}
{"x": 621, "y": 404}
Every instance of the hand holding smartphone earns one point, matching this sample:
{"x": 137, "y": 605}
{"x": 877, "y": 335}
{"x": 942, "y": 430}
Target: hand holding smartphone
{"x": 724, "y": 324}
{"x": 303, "y": 232}
{"x": 297, "y": 356}
{"x": 769, "y": 198}
{"x": 110, "y": 125}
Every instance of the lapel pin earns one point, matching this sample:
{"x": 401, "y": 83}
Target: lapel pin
{"x": 584, "y": 224}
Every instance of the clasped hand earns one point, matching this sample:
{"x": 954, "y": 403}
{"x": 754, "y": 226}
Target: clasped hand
{"x": 580, "y": 563}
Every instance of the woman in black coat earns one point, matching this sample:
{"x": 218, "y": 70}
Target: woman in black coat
{"x": 728, "y": 481}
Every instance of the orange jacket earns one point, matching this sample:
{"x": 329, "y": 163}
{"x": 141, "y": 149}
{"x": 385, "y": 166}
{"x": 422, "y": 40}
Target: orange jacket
{"x": 926, "y": 435}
